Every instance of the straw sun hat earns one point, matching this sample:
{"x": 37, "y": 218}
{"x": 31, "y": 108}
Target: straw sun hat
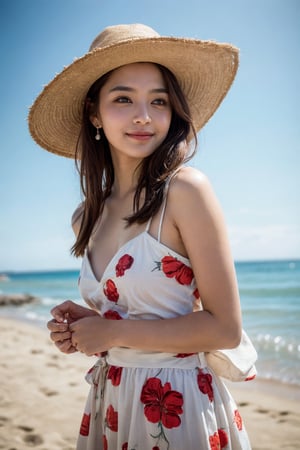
{"x": 205, "y": 71}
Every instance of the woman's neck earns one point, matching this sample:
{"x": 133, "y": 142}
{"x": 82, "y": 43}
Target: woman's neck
{"x": 126, "y": 174}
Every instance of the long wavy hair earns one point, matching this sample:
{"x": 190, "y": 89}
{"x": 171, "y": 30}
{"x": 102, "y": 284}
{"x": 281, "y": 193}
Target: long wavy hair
{"x": 95, "y": 167}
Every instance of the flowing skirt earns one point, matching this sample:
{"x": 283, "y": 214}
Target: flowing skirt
{"x": 158, "y": 401}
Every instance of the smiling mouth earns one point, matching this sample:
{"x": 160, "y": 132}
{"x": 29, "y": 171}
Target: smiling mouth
{"x": 141, "y": 136}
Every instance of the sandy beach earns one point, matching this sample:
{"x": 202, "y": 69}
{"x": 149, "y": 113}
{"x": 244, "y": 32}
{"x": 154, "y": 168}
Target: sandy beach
{"x": 43, "y": 393}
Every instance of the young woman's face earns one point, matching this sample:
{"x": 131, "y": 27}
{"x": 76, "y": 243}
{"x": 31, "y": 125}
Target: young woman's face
{"x": 134, "y": 110}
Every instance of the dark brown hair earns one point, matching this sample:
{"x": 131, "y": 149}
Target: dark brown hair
{"x": 94, "y": 163}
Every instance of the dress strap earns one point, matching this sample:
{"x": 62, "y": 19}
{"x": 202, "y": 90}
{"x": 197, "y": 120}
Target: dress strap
{"x": 148, "y": 225}
{"x": 162, "y": 215}
{"x": 164, "y": 204}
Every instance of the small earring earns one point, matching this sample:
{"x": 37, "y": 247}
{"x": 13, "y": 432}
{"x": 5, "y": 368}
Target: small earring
{"x": 98, "y": 135}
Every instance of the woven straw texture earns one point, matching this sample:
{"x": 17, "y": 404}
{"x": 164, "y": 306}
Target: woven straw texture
{"x": 205, "y": 71}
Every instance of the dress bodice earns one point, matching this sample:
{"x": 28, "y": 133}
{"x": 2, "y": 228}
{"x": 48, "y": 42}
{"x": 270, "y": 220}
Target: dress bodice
{"x": 144, "y": 280}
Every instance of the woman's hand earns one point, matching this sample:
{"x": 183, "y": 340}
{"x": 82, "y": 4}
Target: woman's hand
{"x": 92, "y": 335}
{"x": 65, "y": 314}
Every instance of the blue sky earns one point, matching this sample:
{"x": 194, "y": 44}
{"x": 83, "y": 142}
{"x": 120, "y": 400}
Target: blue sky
{"x": 249, "y": 149}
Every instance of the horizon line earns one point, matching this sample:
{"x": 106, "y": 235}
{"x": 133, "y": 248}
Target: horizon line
{"x": 68, "y": 269}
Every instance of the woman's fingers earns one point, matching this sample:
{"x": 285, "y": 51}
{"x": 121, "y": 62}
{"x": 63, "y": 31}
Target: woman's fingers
{"x": 69, "y": 312}
{"x": 66, "y": 346}
{"x": 60, "y": 337}
{"x": 64, "y": 315}
{"x": 61, "y": 312}
{"x": 57, "y": 327}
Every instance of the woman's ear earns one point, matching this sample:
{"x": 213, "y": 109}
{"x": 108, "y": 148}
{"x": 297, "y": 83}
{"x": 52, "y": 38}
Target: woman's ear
{"x": 95, "y": 121}
{"x": 93, "y": 114}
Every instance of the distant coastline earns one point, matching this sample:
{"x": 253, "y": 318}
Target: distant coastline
{"x": 7, "y": 272}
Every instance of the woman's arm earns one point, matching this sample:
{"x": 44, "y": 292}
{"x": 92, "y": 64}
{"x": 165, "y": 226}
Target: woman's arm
{"x": 199, "y": 220}
{"x": 197, "y": 216}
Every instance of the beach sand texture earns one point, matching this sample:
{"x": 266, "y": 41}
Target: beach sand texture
{"x": 43, "y": 392}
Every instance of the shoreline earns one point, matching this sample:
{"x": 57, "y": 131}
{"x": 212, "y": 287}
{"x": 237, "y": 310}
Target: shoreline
{"x": 43, "y": 394}
{"x": 287, "y": 390}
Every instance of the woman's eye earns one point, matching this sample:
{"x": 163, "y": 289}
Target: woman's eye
{"x": 122, "y": 100}
{"x": 160, "y": 102}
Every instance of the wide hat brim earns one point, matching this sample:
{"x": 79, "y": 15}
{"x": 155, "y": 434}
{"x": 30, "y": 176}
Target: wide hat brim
{"x": 205, "y": 71}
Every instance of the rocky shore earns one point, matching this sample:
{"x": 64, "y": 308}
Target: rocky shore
{"x": 17, "y": 299}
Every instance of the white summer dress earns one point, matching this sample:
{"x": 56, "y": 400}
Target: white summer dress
{"x": 151, "y": 400}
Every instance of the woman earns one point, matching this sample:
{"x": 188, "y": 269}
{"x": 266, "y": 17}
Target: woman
{"x": 157, "y": 273}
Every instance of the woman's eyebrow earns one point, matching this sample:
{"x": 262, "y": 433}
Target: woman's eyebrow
{"x": 161, "y": 90}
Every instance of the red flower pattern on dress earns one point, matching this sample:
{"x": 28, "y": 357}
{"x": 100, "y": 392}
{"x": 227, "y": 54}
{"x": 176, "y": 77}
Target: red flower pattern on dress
{"x": 173, "y": 268}
{"x": 91, "y": 370}
{"x": 161, "y": 403}
{"x": 85, "y": 425}
{"x": 111, "y": 292}
{"x": 112, "y": 315}
{"x": 105, "y": 446}
{"x": 214, "y": 441}
{"x": 111, "y": 418}
{"x": 124, "y": 263}
{"x": 114, "y": 374}
{"x": 238, "y": 420}
{"x": 250, "y": 378}
{"x": 223, "y": 436}
{"x": 196, "y": 293}
{"x": 184, "y": 355}
{"x": 205, "y": 384}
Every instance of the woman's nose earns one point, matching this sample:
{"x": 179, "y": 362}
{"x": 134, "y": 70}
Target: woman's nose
{"x": 142, "y": 115}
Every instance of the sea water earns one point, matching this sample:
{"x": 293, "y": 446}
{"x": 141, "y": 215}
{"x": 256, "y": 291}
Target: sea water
{"x": 270, "y": 299}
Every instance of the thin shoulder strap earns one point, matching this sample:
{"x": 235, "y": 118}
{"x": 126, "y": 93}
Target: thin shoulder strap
{"x": 162, "y": 213}
{"x": 164, "y": 204}
{"x": 148, "y": 224}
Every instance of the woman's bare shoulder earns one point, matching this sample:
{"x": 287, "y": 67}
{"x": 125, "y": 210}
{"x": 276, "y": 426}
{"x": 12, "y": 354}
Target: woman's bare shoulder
{"x": 189, "y": 183}
{"x": 192, "y": 199}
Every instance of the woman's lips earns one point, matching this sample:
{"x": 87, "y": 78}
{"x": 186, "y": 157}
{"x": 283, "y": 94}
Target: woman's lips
{"x": 140, "y": 135}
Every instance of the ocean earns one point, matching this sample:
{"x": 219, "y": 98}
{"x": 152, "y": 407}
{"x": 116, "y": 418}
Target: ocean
{"x": 270, "y": 299}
